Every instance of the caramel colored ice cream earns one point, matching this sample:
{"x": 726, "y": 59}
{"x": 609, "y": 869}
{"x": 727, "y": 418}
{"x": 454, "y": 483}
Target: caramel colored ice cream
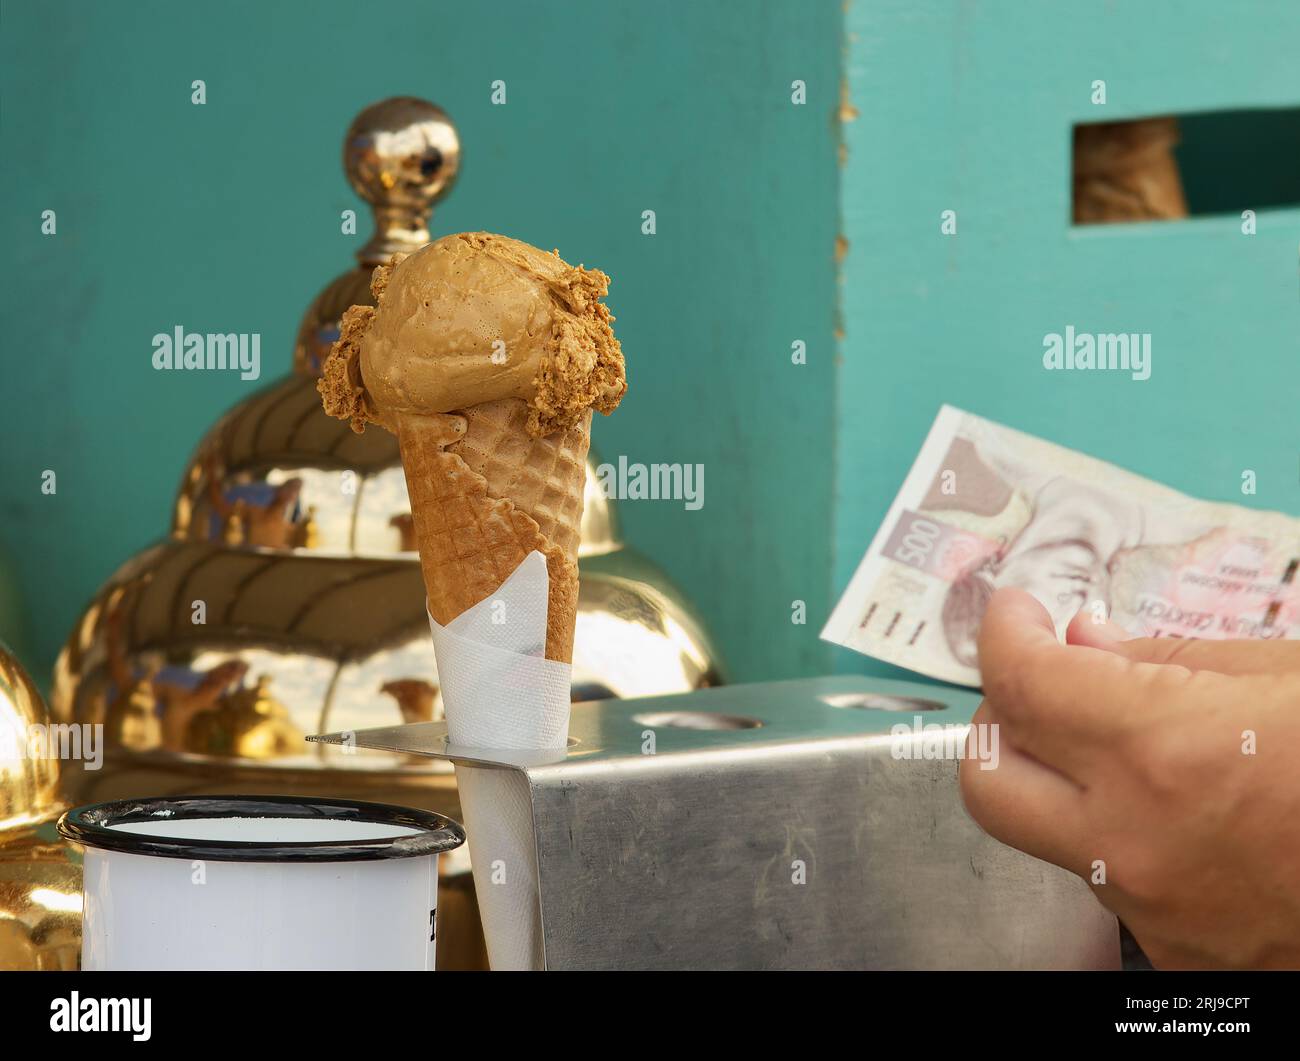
{"x": 486, "y": 357}
{"x": 474, "y": 318}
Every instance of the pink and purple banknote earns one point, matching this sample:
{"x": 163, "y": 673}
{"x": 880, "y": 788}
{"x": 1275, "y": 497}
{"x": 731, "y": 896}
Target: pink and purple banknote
{"x": 985, "y": 506}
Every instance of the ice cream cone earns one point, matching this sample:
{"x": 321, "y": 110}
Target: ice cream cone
{"x": 484, "y": 494}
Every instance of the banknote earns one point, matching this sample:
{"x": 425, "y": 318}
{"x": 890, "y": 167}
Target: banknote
{"x": 985, "y": 506}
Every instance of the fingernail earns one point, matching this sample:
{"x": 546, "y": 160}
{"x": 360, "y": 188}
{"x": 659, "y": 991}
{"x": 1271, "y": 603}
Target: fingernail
{"x": 1111, "y": 631}
{"x": 1108, "y": 632}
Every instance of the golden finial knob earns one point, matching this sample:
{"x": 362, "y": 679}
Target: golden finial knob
{"x": 401, "y": 155}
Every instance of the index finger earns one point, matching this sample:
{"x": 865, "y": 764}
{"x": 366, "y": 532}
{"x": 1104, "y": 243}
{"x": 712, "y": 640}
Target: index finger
{"x": 1236, "y": 656}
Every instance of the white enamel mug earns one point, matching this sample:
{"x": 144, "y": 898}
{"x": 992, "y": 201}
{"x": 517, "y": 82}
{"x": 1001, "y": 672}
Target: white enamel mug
{"x": 259, "y": 882}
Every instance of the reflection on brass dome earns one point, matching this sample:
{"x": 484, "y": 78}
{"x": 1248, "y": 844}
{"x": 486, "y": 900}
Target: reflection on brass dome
{"x": 248, "y": 724}
{"x": 319, "y": 329}
{"x": 40, "y": 902}
{"x": 29, "y": 775}
{"x": 40, "y": 880}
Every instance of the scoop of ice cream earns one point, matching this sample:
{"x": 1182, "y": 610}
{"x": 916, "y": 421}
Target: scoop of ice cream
{"x": 475, "y": 318}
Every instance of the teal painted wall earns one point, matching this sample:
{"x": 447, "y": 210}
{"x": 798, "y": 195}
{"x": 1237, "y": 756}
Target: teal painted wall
{"x": 225, "y": 217}
{"x": 969, "y": 107}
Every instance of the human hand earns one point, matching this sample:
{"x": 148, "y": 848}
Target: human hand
{"x": 1165, "y": 772}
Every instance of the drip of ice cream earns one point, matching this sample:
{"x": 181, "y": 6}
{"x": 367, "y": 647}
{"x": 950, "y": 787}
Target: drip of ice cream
{"x": 475, "y": 318}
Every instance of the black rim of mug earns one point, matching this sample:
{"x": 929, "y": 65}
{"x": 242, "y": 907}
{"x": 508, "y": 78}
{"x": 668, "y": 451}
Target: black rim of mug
{"x": 93, "y": 826}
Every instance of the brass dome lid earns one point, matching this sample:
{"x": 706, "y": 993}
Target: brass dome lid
{"x": 29, "y": 774}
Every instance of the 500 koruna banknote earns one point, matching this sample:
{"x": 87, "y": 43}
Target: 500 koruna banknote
{"x": 985, "y": 506}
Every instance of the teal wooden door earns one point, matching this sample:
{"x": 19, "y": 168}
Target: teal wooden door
{"x": 969, "y": 107}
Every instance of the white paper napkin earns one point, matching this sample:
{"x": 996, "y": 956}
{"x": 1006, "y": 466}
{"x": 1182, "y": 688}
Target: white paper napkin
{"x": 501, "y": 693}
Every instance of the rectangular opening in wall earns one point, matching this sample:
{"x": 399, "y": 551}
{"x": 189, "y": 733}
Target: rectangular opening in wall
{"x": 1187, "y": 165}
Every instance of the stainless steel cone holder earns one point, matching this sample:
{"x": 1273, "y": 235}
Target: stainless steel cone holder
{"x": 811, "y": 824}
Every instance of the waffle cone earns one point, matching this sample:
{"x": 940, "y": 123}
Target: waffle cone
{"x": 484, "y": 494}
